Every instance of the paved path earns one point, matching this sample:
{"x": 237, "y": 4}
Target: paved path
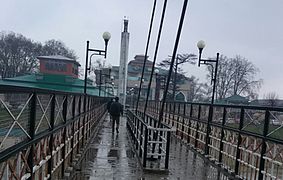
{"x": 110, "y": 157}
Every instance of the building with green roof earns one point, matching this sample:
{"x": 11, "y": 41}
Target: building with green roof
{"x": 57, "y": 73}
{"x": 234, "y": 99}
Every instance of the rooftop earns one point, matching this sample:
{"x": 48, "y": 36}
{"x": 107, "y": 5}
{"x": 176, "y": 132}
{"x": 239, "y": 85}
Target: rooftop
{"x": 52, "y": 82}
{"x": 58, "y": 57}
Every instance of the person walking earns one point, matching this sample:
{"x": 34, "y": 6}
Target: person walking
{"x": 116, "y": 109}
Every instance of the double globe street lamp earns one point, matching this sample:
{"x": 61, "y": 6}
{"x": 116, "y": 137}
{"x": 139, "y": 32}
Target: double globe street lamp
{"x": 106, "y": 36}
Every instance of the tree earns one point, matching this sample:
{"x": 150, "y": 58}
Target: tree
{"x": 56, "y": 47}
{"x": 178, "y": 70}
{"x": 271, "y": 99}
{"x": 198, "y": 92}
{"x": 17, "y": 54}
{"x": 235, "y": 76}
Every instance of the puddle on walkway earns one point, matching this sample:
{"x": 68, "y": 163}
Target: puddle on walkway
{"x": 110, "y": 157}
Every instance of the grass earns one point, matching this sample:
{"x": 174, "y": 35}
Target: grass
{"x": 258, "y": 129}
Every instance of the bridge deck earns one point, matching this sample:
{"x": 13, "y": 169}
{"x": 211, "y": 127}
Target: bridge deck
{"x": 110, "y": 156}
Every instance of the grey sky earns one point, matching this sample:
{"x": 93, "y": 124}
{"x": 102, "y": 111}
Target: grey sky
{"x": 251, "y": 28}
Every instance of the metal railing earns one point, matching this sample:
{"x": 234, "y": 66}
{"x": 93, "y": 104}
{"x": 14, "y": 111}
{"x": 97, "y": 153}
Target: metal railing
{"x": 151, "y": 143}
{"x": 245, "y": 140}
{"x": 43, "y": 132}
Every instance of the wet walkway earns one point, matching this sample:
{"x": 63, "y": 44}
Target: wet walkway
{"x": 110, "y": 156}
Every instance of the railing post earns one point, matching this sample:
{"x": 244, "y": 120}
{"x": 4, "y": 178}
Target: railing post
{"x": 32, "y": 132}
{"x": 157, "y": 109}
{"x": 174, "y": 109}
{"x": 239, "y": 140}
{"x": 167, "y": 149}
{"x": 160, "y": 140}
{"x": 87, "y": 113}
{"x": 170, "y": 111}
{"x": 145, "y": 147}
{"x": 178, "y": 117}
{"x": 79, "y": 122}
{"x": 137, "y": 134}
{"x": 183, "y": 121}
{"x": 263, "y": 147}
{"x": 190, "y": 125}
{"x": 222, "y": 134}
{"x": 135, "y": 127}
{"x": 142, "y": 133}
{"x": 64, "y": 112}
{"x": 208, "y": 129}
{"x": 84, "y": 119}
{"x": 197, "y": 134}
{"x": 73, "y": 127}
{"x": 52, "y": 116}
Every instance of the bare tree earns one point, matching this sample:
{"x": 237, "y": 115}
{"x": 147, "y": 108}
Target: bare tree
{"x": 57, "y": 47}
{"x": 197, "y": 91}
{"x": 17, "y": 54}
{"x": 236, "y": 76}
{"x": 271, "y": 99}
{"x": 178, "y": 75}
{"x": 244, "y": 76}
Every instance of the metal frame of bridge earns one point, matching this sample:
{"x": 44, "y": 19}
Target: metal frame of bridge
{"x": 43, "y": 132}
{"x": 242, "y": 139}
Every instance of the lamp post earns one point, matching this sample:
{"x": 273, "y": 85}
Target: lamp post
{"x": 201, "y": 45}
{"x": 107, "y": 78}
{"x": 132, "y": 93}
{"x": 135, "y": 92}
{"x": 113, "y": 87}
{"x": 106, "y": 36}
{"x": 157, "y": 86}
{"x": 110, "y": 83}
{"x": 109, "y": 71}
{"x": 100, "y": 75}
{"x": 210, "y": 62}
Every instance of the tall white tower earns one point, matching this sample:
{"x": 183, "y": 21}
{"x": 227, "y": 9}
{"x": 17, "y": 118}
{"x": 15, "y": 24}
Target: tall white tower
{"x": 123, "y": 68}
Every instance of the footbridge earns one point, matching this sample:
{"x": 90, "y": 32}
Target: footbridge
{"x": 57, "y": 135}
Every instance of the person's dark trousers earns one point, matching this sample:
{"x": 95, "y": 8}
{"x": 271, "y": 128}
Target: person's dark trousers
{"x": 115, "y": 119}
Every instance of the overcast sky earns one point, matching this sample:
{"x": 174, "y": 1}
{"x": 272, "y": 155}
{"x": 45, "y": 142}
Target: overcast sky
{"x": 250, "y": 28}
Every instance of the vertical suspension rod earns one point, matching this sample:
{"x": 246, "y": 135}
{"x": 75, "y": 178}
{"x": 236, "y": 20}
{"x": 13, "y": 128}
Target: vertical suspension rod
{"x": 146, "y": 51}
{"x": 172, "y": 61}
{"x": 155, "y": 54}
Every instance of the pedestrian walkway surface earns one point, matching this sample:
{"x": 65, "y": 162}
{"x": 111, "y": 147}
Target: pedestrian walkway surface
{"x": 110, "y": 156}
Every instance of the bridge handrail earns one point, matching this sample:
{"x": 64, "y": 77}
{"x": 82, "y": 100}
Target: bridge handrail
{"x": 161, "y": 129}
{"x": 147, "y": 138}
{"x": 249, "y": 136}
{"x": 51, "y": 123}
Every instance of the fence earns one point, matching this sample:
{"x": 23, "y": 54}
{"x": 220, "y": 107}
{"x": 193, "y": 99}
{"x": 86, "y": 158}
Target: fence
{"x": 245, "y": 140}
{"x": 151, "y": 143}
{"x": 42, "y": 132}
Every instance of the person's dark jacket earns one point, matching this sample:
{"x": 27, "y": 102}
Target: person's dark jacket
{"x": 116, "y": 109}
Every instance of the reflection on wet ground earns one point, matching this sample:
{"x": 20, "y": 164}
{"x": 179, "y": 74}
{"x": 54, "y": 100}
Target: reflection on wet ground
{"x": 110, "y": 157}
